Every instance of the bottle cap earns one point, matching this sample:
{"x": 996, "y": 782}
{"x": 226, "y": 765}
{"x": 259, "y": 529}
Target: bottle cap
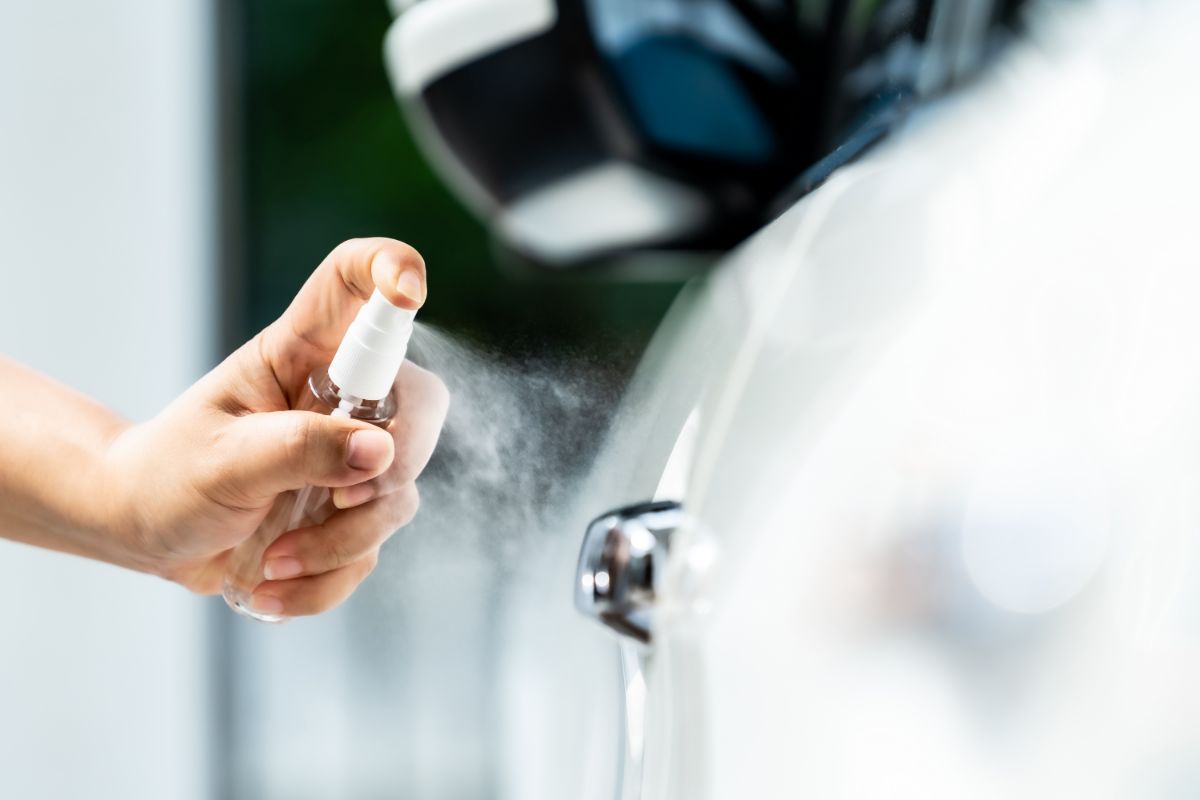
{"x": 372, "y": 350}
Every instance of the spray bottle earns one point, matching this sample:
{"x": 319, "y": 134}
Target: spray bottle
{"x": 356, "y": 385}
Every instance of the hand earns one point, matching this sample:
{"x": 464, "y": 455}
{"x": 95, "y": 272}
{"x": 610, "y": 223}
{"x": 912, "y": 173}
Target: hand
{"x": 196, "y": 480}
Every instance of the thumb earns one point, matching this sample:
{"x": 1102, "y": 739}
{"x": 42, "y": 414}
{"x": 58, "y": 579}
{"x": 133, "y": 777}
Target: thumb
{"x": 276, "y": 451}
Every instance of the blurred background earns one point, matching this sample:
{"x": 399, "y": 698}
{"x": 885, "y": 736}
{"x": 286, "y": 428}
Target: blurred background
{"x": 169, "y": 175}
{"x": 325, "y": 155}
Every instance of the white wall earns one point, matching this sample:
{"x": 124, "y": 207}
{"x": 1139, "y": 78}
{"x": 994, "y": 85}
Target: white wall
{"x": 105, "y": 164}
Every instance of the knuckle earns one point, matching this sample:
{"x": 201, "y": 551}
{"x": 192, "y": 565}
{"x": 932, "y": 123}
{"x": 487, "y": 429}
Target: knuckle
{"x": 405, "y": 468}
{"x": 299, "y": 437}
{"x": 439, "y": 386}
{"x": 332, "y": 589}
{"x": 311, "y": 606}
{"x": 429, "y": 386}
{"x": 391, "y": 480}
{"x": 408, "y": 501}
{"x": 439, "y": 393}
{"x": 347, "y": 246}
{"x": 338, "y": 552}
{"x": 398, "y": 509}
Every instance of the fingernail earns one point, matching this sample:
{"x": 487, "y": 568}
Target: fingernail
{"x": 282, "y": 568}
{"x": 409, "y": 284}
{"x": 266, "y": 604}
{"x": 369, "y": 449}
{"x": 351, "y": 496}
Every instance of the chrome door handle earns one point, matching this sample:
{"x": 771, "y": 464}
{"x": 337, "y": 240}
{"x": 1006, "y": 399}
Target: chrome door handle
{"x": 619, "y": 582}
{"x": 621, "y": 565}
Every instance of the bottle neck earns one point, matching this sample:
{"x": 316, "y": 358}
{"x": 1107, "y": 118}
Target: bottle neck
{"x": 330, "y": 396}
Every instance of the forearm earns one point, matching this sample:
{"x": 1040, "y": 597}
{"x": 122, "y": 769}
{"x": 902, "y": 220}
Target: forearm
{"x": 54, "y": 490}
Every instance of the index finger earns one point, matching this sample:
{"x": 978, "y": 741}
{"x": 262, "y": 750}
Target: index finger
{"x": 324, "y": 307}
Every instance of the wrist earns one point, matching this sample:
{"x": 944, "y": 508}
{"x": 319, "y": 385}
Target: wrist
{"x": 117, "y": 526}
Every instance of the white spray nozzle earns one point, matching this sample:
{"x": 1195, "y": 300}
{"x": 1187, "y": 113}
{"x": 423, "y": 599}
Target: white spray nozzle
{"x": 372, "y": 350}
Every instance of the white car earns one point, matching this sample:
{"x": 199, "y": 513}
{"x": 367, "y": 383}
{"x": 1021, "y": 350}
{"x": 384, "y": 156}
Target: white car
{"x": 924, "y": 455}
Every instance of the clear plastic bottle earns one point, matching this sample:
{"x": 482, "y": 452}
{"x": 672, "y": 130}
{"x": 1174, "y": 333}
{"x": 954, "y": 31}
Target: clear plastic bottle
{"x": 358, "y": 384}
